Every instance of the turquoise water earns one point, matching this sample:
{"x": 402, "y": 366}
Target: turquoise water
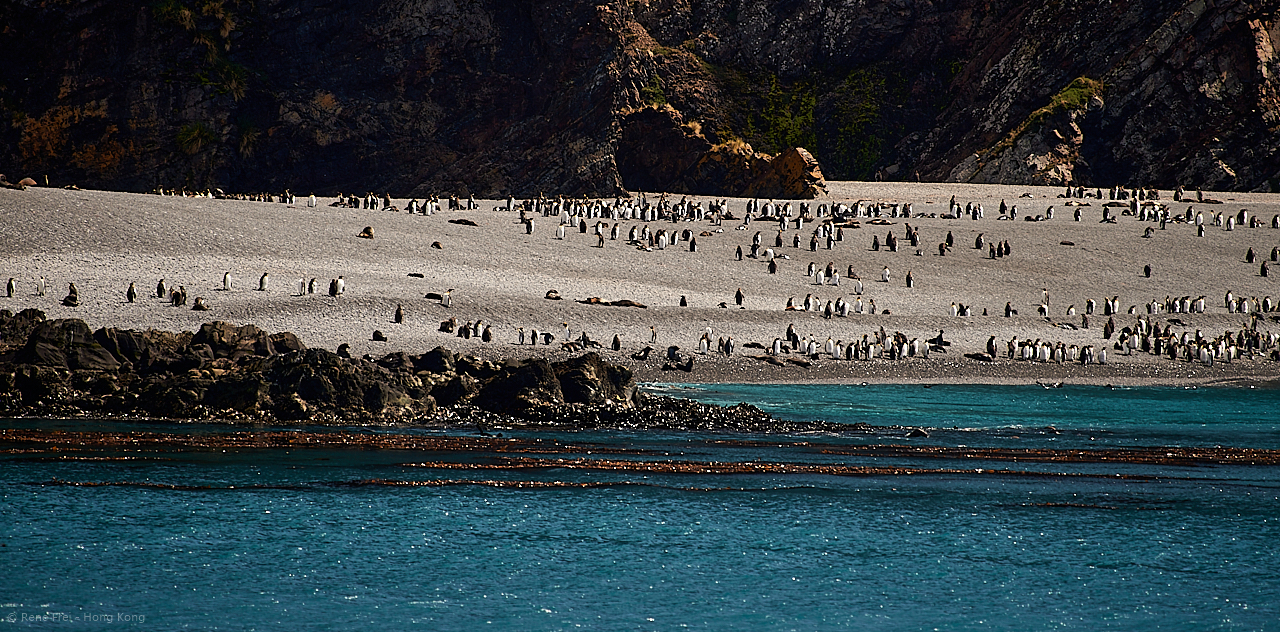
{"x": 299, "y": 539}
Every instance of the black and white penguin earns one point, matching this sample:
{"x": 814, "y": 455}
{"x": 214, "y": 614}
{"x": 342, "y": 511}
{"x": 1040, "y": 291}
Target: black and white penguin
{"x": 131, "y": 294}
{"x": 161, "y": 291}
{"x": 11, "y": 287}
{"x": 264, "y": 281}
{"x": 399, "y": 316}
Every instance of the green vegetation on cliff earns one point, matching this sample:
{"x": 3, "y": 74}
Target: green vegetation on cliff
{"x": 1075, "y": 96}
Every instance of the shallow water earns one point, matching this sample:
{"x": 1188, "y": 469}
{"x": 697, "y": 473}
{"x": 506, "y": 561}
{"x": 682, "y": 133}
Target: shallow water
{"x": 301, "y": 539}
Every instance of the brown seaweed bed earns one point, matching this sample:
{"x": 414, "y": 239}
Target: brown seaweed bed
{"x": 84, "y": 445}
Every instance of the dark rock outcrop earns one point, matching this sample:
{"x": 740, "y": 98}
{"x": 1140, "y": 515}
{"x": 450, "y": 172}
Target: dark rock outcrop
{"x": 242, "y": 372}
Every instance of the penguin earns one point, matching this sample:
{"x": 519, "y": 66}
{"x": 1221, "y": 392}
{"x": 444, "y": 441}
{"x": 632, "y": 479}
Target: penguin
{"x": 1146, "y": 271}
{"x": 311, "y": 286}
{"x": 161, "y": 292}
{"x": 226, "y": 281}
{"x": 399, "y": 317}
{"x": 739, "y": 297}
{"x": 617, "y": 343}
{"x": 11, "y": 287}
{"x": 910, "y": 281}
{"x": 131, "y": 294}
{"x": 199, "y": 305}
{"x": 262, "y": 282}
{"x": 42, "y": 285}
{"x": 884, "y": 274}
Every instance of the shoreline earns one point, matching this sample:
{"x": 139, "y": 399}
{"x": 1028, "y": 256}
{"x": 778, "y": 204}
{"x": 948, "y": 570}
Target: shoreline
{"x": 103, "y": 241}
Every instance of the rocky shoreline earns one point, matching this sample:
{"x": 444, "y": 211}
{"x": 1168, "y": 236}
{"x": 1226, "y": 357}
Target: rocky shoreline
{"x": 242, "y": 374}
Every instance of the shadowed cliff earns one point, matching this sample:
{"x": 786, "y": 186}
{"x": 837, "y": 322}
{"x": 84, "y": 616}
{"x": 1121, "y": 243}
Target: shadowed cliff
{"x": 492, "y": 98}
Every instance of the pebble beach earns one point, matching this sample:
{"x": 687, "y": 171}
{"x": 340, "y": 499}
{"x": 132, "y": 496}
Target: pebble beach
{"x": 499, "y": 274}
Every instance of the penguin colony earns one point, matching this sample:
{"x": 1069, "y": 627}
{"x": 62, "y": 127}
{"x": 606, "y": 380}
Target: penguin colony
{"x": 834, "y": 291}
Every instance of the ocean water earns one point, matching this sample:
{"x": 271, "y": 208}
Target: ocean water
{"x": 335, "y": 539}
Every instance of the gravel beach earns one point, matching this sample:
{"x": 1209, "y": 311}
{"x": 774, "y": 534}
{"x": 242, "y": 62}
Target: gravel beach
{"x": 103, "y": 241}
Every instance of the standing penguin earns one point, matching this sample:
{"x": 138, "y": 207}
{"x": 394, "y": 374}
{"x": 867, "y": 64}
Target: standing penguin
{"x": 161, "y": 290}
{"x": 739, "y": 297}
{"x": 132, "y": 293}
{"x": 1146, "y": 271}
{"x": 41, "y": 285}
{"x": 399, "y": 317}
{"x": 910, "y": 281}
{"x": 11, "y": 287}
{"x": 262, "y": 282}
{"x": 226, "y": 281}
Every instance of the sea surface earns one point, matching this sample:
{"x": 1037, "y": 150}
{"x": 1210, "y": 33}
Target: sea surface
{"x": 340, "y": 539}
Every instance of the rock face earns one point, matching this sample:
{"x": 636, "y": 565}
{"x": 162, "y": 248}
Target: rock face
{"x": 242, "y": 372}
{"x": 659, "y": 152}
{"x": 416, "y": 96}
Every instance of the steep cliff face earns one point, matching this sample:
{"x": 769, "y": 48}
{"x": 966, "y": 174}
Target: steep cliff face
{"x": 408, "y": 96}
{"x": 495, "y": 98}
{"x": 935, "y": 88}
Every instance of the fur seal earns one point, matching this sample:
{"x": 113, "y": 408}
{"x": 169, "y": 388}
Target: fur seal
{"x": 73, "y": 296}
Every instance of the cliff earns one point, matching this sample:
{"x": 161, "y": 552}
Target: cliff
{"x": 491, "y": 98}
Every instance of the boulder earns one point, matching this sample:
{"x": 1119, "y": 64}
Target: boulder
{"x": 588, "y": 379}
{"x": 66, "y": 343}
{"x": 230, "y": 341}
{"x": 518, "y": 389}
{"x": 438, "y": 360}
{"x": 15, "y": 328}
